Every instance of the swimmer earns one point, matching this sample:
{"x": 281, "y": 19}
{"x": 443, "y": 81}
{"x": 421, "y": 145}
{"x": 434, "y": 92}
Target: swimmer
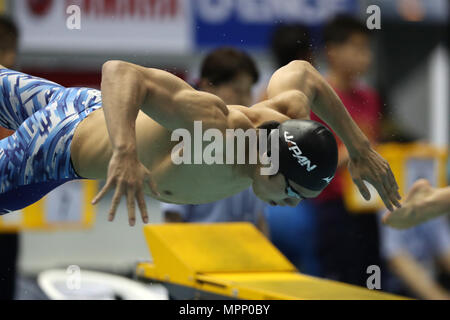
{"x": 123, "y": 134}
{"x": 422, "y": 203}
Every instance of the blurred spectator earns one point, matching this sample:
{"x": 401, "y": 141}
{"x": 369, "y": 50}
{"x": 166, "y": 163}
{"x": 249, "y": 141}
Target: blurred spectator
{"x": 9, "y": 242}
{"x": 423, "y": 202}
{"x": 291, "y": 42}
{"x": 9, "y": 35}
{"x": 229, "y": 74}
{"x": 411, "y": 257}
{"x": 293, "y": 230}
{"x": 416, "y": 261}
{"x": 8, "y": 51}
{"x": 348, "y": 243}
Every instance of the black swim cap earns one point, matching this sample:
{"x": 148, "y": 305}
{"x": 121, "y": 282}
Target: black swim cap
{"x": 308, "y": 153}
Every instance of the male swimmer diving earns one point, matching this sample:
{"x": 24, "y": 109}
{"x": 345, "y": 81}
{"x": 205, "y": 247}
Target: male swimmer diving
{"x": 123, "y": 134}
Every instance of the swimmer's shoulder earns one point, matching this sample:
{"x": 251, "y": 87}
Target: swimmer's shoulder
{"x": 263, "y": 112}
{"x": 241, "y": 118}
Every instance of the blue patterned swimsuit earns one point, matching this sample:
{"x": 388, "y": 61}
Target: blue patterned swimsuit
{"x": 36, "y": 158}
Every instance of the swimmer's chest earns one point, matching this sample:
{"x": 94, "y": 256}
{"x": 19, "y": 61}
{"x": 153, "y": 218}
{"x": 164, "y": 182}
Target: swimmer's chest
{"x": 184, "y": 183}
{"x": 197, "y": 184}
{"x": 194, "y": 179}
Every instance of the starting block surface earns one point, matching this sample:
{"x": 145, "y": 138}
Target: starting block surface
{"x": 236, "y": 261}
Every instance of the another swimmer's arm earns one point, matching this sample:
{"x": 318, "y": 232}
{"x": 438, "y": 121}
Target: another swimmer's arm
{"x": 414, "y": 213}
{"x": 416, "y": 277}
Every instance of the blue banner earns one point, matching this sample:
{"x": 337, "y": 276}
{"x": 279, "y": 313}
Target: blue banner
{"x": 249, "y": 23}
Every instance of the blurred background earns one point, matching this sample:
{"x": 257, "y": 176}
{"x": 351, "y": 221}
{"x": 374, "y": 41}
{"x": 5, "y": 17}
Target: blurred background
{"x": 407, "y": 77}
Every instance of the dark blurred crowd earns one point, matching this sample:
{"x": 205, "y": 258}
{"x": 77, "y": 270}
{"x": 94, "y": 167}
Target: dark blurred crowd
{"x": 9, "y": 242}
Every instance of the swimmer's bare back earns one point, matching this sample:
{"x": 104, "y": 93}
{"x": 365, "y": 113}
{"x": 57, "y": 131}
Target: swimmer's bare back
{"x": 142, "y": 107}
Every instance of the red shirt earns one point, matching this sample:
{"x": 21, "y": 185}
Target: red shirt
{"x": 363, "y": 104}
{"x": 5, "y": 133}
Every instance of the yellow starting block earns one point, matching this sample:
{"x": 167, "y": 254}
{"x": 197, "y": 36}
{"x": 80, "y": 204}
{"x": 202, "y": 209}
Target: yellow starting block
{"x": 234, "y": 261}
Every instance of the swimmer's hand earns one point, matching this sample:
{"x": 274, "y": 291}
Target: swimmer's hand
{"x": 371, "y": 167}
{"x": 128, "y": 176}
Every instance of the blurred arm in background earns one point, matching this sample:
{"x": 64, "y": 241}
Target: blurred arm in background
{"x": 412, "y": 255}
{"x": 416, "y": 277}
{"x": 422, "y": 203}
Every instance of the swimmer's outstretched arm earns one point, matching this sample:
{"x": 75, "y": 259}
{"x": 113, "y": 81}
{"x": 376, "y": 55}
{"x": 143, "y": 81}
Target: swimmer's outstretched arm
{"x": 299, "y": 87}
{"x": 128, "y": 89}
